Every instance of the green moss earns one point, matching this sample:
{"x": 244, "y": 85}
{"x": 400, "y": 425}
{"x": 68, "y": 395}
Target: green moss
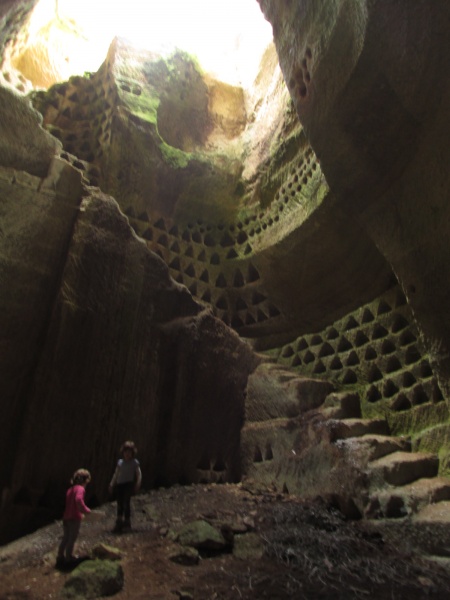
{"x": 143, "y": 106}
{"x": 179, "y": 57}
{"x": 418, "y": 419}
{"x": 174, "y": 157}
{"x": 94, "y": 578}
{"x": 437, "y": 441}
{"x": 169, "y": 69}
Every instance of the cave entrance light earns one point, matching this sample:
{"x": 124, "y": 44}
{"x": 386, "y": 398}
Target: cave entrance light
{"x": 228, "y": 38}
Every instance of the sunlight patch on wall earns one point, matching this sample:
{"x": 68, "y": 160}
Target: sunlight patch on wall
{"x": 228, "y": 38}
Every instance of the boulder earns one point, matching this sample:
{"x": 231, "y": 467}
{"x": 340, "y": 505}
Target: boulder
{"x": 94, "y": 578}
{"x": 201, "y": 535}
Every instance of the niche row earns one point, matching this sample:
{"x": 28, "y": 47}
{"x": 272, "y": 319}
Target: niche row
{"x": 301, "y": 78}
{"x": 212, "y": 471}
{"x": 262, "y": 455}
{"x": 235, "y": 238}
{"x": 295, "y": 188}
{"x": 377, "y": 347}
{"x": 199, "y": 244}
{"x": 90, "y": 173}
{"x": 16, "y": 81}
{"x": 233, "y": 292}
{"x": 230, "y": 289}
{"x": 79, "y": 113}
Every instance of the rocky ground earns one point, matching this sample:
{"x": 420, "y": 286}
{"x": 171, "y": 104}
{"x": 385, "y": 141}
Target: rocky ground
{"x": 309, "y": 551}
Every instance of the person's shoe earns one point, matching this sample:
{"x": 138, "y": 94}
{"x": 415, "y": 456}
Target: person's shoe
{"x": 60, "y": 562}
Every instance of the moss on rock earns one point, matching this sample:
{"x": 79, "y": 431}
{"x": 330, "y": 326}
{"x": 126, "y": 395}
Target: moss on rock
{"x": 94, "y": 578}
{"x": 175, "y": 158}
{"x": 144, "y": 105}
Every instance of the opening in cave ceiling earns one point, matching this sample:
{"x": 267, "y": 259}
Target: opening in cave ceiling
{"x": 228, "y": 38}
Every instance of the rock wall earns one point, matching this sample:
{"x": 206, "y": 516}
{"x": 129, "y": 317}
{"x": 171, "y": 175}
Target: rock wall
{"x": 378, "y": 352}
{"x": 370, "y": 84}
{"x": 99, "y": 345}
{"x": 225, "y": 207}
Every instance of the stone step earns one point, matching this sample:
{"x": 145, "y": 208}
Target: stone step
{"x": 342, "y": 405}
{"x": 349, "y": 428}
{"x": 435, "y": 513}
{"x": 372, "y": 446}
{"x": 284, "y": 377}
{"x": 400, "y": 468}
{"x": 266, "y": 358}
{"x": 408, "y": 499}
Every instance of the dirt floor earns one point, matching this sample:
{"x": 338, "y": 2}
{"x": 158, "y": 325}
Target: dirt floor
{"x": 310, "y": 552}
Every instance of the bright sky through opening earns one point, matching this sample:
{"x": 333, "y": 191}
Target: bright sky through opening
{"x": 228, "y": 37}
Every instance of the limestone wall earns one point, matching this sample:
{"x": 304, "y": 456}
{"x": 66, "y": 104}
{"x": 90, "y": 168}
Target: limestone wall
{"x": 99, "y": 344}
{"x": 377, "y": 351}
{"x": 370, "y": 84}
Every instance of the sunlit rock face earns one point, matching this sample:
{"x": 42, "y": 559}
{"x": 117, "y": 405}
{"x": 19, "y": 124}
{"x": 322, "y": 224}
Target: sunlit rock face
{"x": 220, "y": 182}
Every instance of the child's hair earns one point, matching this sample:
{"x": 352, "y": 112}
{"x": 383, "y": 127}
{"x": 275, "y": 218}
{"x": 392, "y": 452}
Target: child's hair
{"x": 80, "y": 476}
{"x": 129, "y": 445}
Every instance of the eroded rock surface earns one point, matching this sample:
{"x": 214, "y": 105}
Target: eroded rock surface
{"x": 117, "y": 347}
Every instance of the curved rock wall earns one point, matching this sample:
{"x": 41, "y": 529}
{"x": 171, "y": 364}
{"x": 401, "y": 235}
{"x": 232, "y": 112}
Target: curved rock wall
{"x": 370, "y": 84}
{"x": 371, "y": 87}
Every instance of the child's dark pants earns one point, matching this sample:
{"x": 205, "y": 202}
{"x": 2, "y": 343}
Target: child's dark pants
{"x": 124, "y": 492}
{"x": 71, "y": 530}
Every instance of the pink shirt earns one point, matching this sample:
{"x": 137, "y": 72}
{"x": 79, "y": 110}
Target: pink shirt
{"x": 75, "y": 506}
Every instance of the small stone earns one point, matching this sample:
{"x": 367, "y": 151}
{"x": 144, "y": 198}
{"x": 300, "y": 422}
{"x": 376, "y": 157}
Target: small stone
{"x": 248, "y": 546}
{"x": 184, "y": 555}
{"x": 106, "y": 552}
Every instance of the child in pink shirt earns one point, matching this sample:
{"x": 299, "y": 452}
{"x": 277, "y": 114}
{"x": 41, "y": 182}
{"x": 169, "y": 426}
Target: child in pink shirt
{"x": 73, "y": 514}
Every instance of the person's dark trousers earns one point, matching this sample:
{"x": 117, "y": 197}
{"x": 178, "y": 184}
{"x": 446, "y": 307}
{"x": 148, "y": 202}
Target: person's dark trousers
{"x": 124, "y": 492}
{"x": 71, "y": 530}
